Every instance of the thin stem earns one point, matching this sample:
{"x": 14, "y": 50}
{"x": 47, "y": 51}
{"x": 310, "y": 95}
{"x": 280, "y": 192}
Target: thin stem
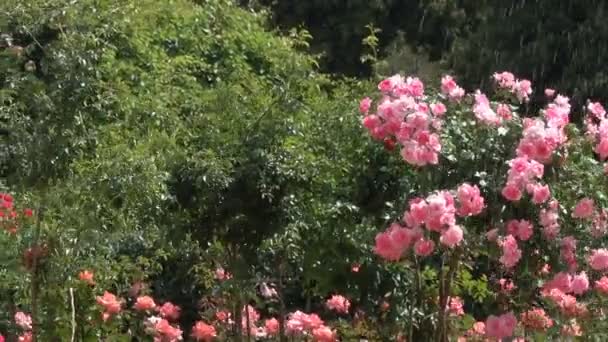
{"x": 73, "y": 314}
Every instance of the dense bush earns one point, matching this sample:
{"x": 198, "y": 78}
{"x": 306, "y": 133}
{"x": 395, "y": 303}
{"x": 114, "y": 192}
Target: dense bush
{"x": 160, "y": 141}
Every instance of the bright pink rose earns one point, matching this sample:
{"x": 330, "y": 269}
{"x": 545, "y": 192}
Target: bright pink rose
{"x": 272, "y": 326}
{"x": 521, "y": 229}
{"x": 470, "y": 199}
{"x": 596, "y": 109}
{"x": 364, "y": 105}
{"x": 110, "y": 303}
{"x": 424, "y": 247}
{"x": 602, "y": 285}
{"x": 164, "y": 331}
{"x": 455, "y": 306}
{"x": 323, "y": 334}
{"x": 438, "y": 109}
{"x": 202, "y": 331}
{"x": 580, "y": 283}
{"x": 584, "y": 208}
{"x": 511, "y": 192}
{"x": 452, "y": 236}
{"x": 502, "y": 326}
{"x": 536, "y": 319}
{"x": 144, "y": 303}
{"x": 510, "y": 252}
{"x": 504, "y": 111}
{"x": 599, "y": 259}
{"x": 540, "y": 194}
{"x": 170, "y": 311}
{"x": 492, "y": 234}
{"x": 23, "y": 320}
{"x": 338, "y": 304}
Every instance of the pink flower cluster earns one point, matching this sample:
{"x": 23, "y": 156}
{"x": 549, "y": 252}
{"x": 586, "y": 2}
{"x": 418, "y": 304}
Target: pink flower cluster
{"x": 597, "y": 128}
{"x": 436, "y": 213}
{"x": 557, "y": 290}
{"x": 510, "y": 251}
{"x": 548, "y": 218}
{"x": 484, "y": 112}
{"x": 522, "y": 175}
{"x": 338, "y": 304}
{"x": 455, "y": 306}
{"x": 110, "y": 303}
{"x": 451, "y": 89}
{"x": 500, "y": 327}
{"x": 541, "y": 138}
{"x": 302, "y": 324}
{"x": 23, "y": 321}
{"x": 521, "y": 229}
{"x": 568, "y": 252}
{"x": 536, "y": 319}
{"x": 522, "y": 89}
{"x": 402, "y": 116}
{"x": 202, "y": 331}
{"x": 598, "y": 260}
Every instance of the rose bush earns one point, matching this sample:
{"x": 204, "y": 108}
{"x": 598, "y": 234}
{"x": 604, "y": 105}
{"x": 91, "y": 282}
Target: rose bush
{"x": 515, "y": 197}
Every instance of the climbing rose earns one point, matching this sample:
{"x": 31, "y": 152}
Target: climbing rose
{"x": 483, "y": 112}
{"x": 424, "y": 247}
{"x": 222, "y": 315}
{"x": 438, "y": 109}
{"x": 501, "y": 326}
{"x": 470, "y": 199}
{"x": 572, "y": 329}
{"x": 364, "y": 105}
{"x": 583, "y": 209}
{"x": 580, "y": 283}
{"x": 549, "y": 92}
{"x": 110, "y": 304}
{"x": 521, "y": 229}
{"x": 144, "y": 303}
{"x": 452, "y": 236}
{"x": 504, "y": 79}
{"x": 540, "y": 193}
{"x": 165, "y": 332}
{"x": 323, "y": 334}
{"x": 511, "y": 192}
{"x": 202, "y": 331}
{"x": 23, "y": 320}
{"x": 455, "y": 306}
{"x": 599, "y": 259}
{"x": 338, "y": 303}
{"x": 272, "y": 326}
{"x": 510, "y": 252}
{"x": 221, "y": 274}
{"x": 249, "y": 312}
{"x": 87, "y": 277}
{"x": 299, "y": 322}
{"x": 602, "y": 285}
{"x": 451, "y": 89}
{"x": 536, "y": 319}
{"x": 170, "y": 311}
{"x": 504, "y": 111}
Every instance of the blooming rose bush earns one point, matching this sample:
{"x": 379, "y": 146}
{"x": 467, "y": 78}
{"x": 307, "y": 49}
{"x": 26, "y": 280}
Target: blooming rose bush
{"x": 505, "y": 193}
